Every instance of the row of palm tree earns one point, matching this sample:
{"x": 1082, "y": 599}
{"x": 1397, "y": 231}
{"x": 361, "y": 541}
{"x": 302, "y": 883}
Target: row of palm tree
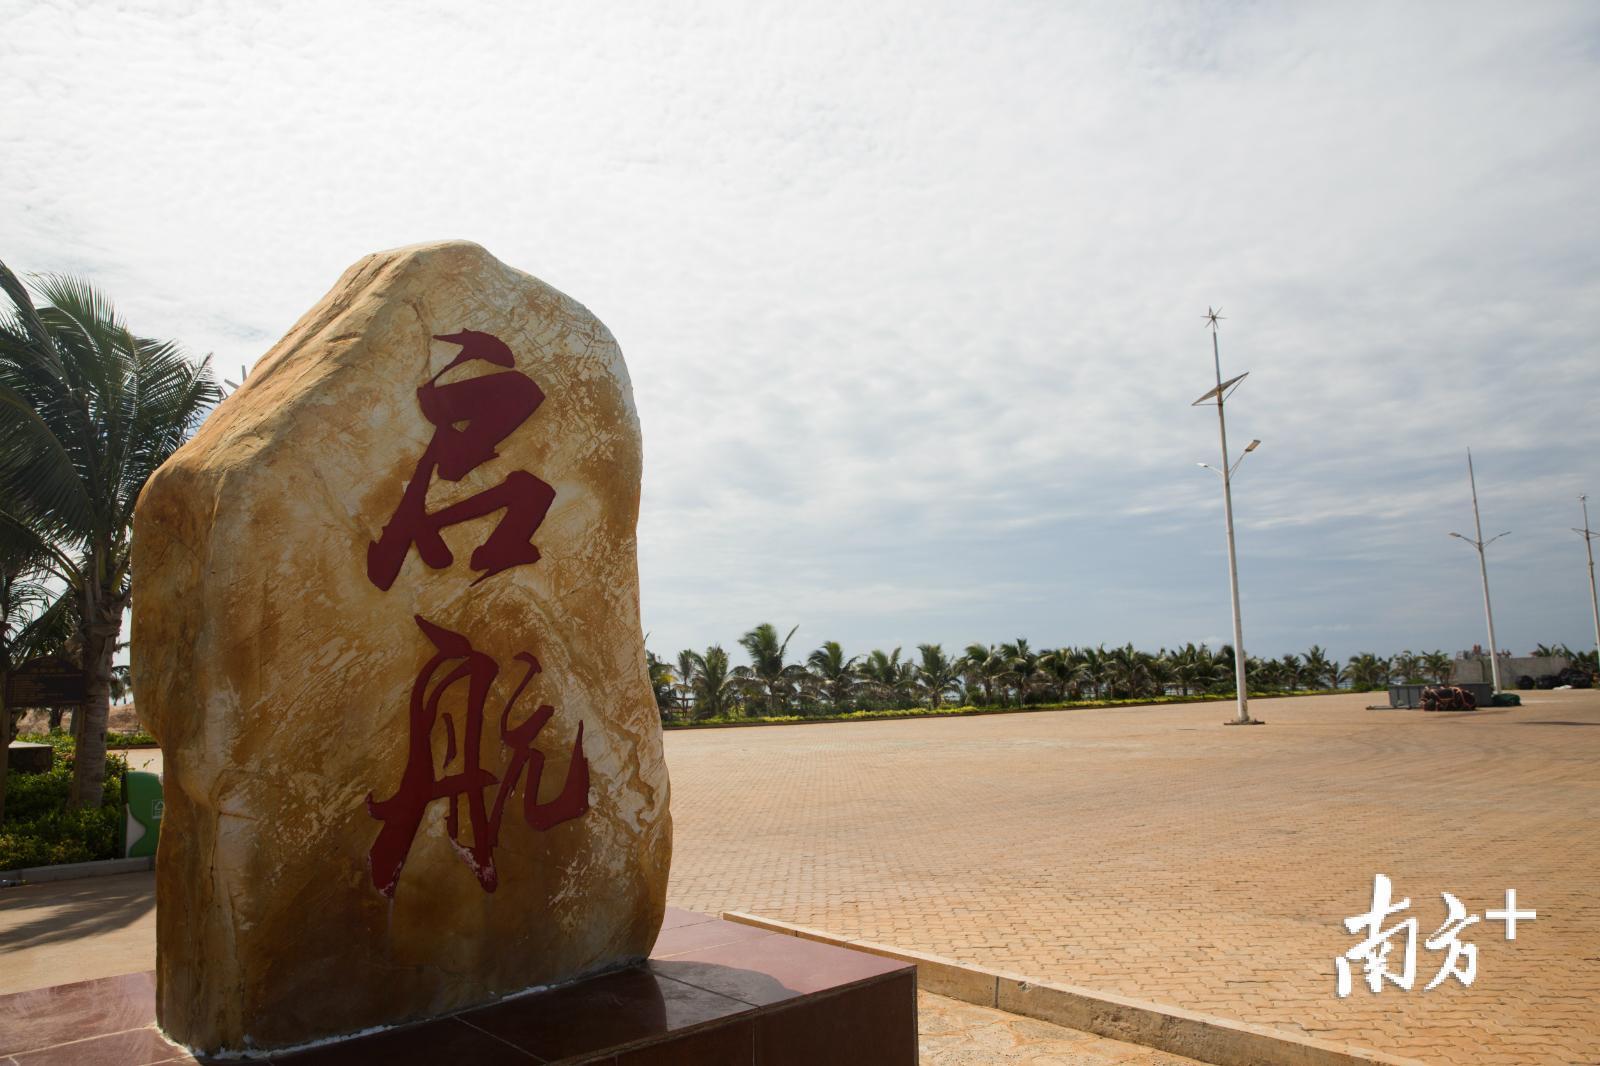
{"x": 707, "y": 684}
{"x": 1587, "y": 660}
{"x": 88, "y": 411}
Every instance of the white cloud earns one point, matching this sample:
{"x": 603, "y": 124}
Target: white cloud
{"x": 911, "y": 295}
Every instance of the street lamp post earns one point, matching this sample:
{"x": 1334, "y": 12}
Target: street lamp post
{"x": 1483, "y": 568}
{"x": 1594, "y": 600}
{"x": 1220, "y": 393}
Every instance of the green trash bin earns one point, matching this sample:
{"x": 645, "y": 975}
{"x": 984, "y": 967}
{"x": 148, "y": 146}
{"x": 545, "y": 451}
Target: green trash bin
{"x": 143, "y": 806}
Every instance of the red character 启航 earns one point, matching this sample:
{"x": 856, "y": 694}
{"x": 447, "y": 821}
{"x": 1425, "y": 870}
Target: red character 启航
{"x": 470, "y": 418}
{"x": 456, "y": 660}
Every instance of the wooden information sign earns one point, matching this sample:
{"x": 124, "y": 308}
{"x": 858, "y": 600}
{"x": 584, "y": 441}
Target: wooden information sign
{"x": 47, "y": 682}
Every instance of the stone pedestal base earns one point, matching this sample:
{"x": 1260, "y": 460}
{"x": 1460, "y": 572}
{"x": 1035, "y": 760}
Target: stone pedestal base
{"x": 712, "y": 992}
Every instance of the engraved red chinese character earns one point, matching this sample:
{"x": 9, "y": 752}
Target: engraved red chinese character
{"x": 470, "y": 418}
{"x": 455, "y": 660}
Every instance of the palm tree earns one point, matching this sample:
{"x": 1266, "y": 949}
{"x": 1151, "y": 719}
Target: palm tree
{"x": 1161, "y": 673}
{"x": 767, "y": 672}
{"x": 835, "y": 675}
{"x": 906, "y": 685}
{"x": 121, "y": 683}
{"x": 715, "y": 686}
{"x": 983, "y": 666}
{"x": 1193, "y": 669}
{"x": 1226, "y": 664}
{"x": 1266, "y": 675}
{"x": 660, "y": 682}
{"x": 890, "y": 676}
{"x": 1064, "y": 667}
{"x": 1222, "y": 675}
{"x": 1314, "y": 674}
{"x": 1097, "y": 667}
{"x": 1438, "y": 666}
{"x": 937, "y": 674}
{"x": 1368, "y": 671}
{"x": 88, "y": 411}
{"x": 1022, "y": 666}
{"x": 1293, "y": 673}
{"x": 1129, "y": 672}
{"x": 685, "y": 678}
{"x": 1407, "y": 667}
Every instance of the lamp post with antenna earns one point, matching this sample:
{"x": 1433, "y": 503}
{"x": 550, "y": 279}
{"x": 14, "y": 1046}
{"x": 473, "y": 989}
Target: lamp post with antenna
{"x": 1594, "y": 600}
{"x": 1220, "y": 393}
{"x": 1483, "y": 568}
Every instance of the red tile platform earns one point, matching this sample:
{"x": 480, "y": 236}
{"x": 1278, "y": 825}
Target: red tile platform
{"x": 713, "y": 994}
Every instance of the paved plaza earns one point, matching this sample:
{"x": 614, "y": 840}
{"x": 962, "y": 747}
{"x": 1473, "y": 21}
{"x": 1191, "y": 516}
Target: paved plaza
{"x": 1143, "y": 851}
{"x": 1154, "y": 853}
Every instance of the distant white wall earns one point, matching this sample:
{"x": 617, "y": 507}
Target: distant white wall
{"x": 1476, "y": 668}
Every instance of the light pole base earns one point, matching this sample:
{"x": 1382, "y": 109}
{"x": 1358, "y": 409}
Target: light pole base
{"x": 1247, "y": 721}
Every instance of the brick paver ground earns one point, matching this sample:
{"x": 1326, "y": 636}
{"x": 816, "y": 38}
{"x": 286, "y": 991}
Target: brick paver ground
{"x": 1145, "y": 851}
{"x": 1152, "y": 852}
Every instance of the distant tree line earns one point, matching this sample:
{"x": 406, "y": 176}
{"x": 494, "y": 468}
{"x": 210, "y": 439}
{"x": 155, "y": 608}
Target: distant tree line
{"x": 700, "y": 685}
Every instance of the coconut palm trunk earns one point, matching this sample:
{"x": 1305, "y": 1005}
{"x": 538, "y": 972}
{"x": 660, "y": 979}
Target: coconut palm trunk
{"x": 90, "y": 722}
{"x": 101, "y": 629}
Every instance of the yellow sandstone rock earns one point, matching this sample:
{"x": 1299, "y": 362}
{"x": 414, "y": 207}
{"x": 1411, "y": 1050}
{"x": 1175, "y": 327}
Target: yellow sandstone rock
{"x": 387, "y": 633}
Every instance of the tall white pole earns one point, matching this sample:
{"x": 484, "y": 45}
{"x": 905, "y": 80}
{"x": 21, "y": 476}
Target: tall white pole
{"x": 1594, "y": 600}
{"x": 1239, "y": 661}
{"x": 1483, "y": 568}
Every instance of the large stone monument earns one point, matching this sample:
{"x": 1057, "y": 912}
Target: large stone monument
{"x": 387, "y": 633}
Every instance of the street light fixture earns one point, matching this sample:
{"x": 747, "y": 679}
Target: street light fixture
{"x": 1483, "y": 568}
{"x": 1220, "y": 394}
{"x": 1594, "y": 600}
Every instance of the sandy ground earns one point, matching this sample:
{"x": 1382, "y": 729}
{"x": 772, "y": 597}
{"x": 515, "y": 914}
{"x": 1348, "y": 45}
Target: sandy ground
{"x": 122, "y": 719}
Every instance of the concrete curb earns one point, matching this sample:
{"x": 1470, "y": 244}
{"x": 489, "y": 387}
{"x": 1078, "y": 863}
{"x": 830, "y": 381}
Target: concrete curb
{"x": 1181, "y": 1032}
{"x": 69, "y": 871}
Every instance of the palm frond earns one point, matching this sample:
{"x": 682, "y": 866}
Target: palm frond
{"x": 47, "y": 630}
{"x": 22, "y": 548}
{"x": 40, "y": 477}
{"x": 27, "y": 315}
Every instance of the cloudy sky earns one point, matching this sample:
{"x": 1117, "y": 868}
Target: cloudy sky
{"x": 912, "y": 294}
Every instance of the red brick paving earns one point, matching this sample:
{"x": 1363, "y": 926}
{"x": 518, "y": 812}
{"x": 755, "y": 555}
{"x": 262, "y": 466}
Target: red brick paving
{"x": 1153, "y": 853}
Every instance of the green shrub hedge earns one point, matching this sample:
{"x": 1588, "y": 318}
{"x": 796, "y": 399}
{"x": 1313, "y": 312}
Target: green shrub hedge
{"x": 40, "y": 831}
{"x": 62, "y": 740}
{"x": 968, "y": 710}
